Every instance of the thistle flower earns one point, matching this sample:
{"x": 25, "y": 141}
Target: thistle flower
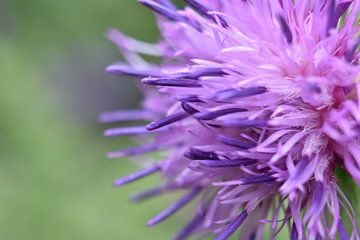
{"x": 255, "y": 104}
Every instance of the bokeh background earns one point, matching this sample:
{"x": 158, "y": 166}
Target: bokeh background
{"x": 55, "y": 182}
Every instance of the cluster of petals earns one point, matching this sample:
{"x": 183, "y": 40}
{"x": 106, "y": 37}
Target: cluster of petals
{"x": 254, "y": 105}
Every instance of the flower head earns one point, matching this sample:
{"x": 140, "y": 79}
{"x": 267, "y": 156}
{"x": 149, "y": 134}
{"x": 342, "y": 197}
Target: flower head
{"x": 255, "y": 104}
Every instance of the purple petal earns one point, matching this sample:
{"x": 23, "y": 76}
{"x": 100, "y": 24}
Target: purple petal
{"x": 136, "y": 176}
{"x": 233, "y": 226}
{"x": 235, "y": 142}
{"x": 226, "y": 163}
{"x": 167, "y": 120}
{"x": 175, "y": 207}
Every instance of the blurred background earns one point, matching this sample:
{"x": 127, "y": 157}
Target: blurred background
{"x": 55, "y": 182}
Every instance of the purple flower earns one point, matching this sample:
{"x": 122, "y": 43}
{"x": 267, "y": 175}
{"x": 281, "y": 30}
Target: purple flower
{"x": 254, "y": 106}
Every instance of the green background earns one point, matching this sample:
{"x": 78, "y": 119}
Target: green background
{"x": 55, "y": 182}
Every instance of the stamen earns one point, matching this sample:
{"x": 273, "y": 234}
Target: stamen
{"x": 175, "y": 207}
{"x": 233, "y": 226}
{"x": 167, "y": 120}
{"x": 136, "y": 176}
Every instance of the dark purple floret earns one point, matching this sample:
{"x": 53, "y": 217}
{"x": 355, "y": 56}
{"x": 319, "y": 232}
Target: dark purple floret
{"x": 232, "y": 93}
{"x": 147, "y": 194}
{"x": 244, "y": 123}
{"x": 123, "y": 131}
{"x": 226, "y": 163}
{"x": 122, "y": 69}
{"x": 175, "y": 207}
{"x": 167, "y": 120}
{"x": 258, "y": 179}
{"x": 285, "y": 29}
{"x": 235, "y": 142}
{"x": 294, "y": 234}
{"x": 218, "y": 113}
{"x": 197, "y": 154}
{"x": 233, "y": 226}
{"x": 342, "y": 231}
{"x": 168, "y": 4}
{"x": 341, "y": 9}
{"x": 136, "y": 176}
{"x": 163, "y": 10}
{"x": 352, "y": 51}
{"x": 195, "y": 74}
{"x": 189, "y": 98}
{"x": 332, "y": 21}
{"x": 188, "y": 83}
{"x": 190, "y": 226}
{"x": 133, "y": 151}
{"x": 126, "y": 115}
{"x": 189, "y": 109}
{"x": 204, "y": 10}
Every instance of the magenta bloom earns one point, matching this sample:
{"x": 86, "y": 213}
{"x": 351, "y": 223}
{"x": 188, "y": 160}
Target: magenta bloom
{"x": 254, "y": 106}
